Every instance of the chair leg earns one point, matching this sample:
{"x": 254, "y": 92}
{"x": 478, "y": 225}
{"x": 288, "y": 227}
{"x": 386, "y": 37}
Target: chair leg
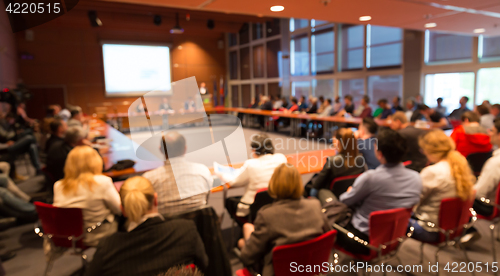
{"x": 401, "y": 264}
{"x": 437, "y": 259}
{"x": 465, "y": 254}
{"x": 48, "y": 267}
{"x": 493, "y": 249}
{"x": 422, "y": 253}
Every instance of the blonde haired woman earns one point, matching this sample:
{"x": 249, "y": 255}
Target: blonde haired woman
{"x": 151, "y": 245}
{"x": 84, "y": 186}
{"x": 290, "y": 219}
{"x": 449, "y": 176}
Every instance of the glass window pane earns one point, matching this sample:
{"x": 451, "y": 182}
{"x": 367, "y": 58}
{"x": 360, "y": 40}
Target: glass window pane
{"x": 274, "y": 58}
{"x": 246, "y": 95}
{"x": 244, "y": 34}
{"x": 258, "y": 61}
{"x": 274, "y": 89}
{"x": 300, "y": 88}
{"x": 245, "y": 63}
{"x": 488, "y": 85}
{"x": 260, "y": 89}
{"x": 232, "y": 39}
{"x": 381, "y": 35}
{"x": 353, "y": 87}
{"x": 447, "y": 47}
{"x": 296, "y": 24}
{"x": 235, "y": 96}
{"x": 323, "y": 49}
{"x": 233, "y": 65}
{"x": 491, "y": 47}
{"x": 451, "y": 87}
{"x": 273, "y": 27}
{"x": 384, "y": 46}
{"x": 384, "y": 87}
{"x": 257, "y": 31}
{"x": 352, "y": 47}
{"x": 299, "y": 56}
{"x": 323, "y": 88}
{"x": 315, "y": 22}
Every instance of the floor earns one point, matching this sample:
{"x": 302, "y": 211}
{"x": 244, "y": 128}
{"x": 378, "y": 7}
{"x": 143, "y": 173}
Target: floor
{"x": 30, "y": 259}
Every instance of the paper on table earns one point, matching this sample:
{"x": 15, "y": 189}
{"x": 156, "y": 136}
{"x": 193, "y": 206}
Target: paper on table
{"x": 225, "y": 173}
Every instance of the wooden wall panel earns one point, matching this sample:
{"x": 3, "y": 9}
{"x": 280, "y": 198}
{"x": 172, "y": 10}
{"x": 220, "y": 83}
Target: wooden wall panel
{"x": 8, "y": 55}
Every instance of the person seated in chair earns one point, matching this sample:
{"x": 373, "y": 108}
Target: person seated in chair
{"x": 486, "y": 118}
{"x": 384, "y": 110}
{"x": 457, "y": 113}
{"x": 254, "y": 174}
{"x": 150, "y": 245}
{"x": 449, "y": 176}
{"x": 364, "y": 110}
{"x": 366, "y": 142}
{"x": 290, "y": 219}
{"x": 471, "y": 137}
{"x": 58, "y": 129}
{"x": 346, "y": 162}
{"x": 389, "y": 186}
{"x": 433, "y": 117}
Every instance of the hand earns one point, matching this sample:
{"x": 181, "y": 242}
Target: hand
{"x": 349, "y": 189}
{"x": 10, "y": 143}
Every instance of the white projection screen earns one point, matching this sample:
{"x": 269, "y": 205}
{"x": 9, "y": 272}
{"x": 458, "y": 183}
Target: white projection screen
{"x": 136, "y": 69}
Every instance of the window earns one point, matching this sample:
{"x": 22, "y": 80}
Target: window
{"x": 315, "y": 23}
{"x": 296, "y": 24}
{"x": 246, "y": 95}
{"x": 384, "y": 46}
{"x": 300, "y": 88}
{"x": 235, "y": 96}
{"x": 353, "y": 87}
{"x": 260, "y": 89}
{"x": 488, "y": 85}
{"x": 257, "y": 31}
{"x": 245, "y": 63}
{"x": 273, "y": 27}
{"x": 322, "y": 88}
{"x": 322, "y": 51}
{"x": 299, "y": 56}
{"x": 274, "y": 58}
{"x": 244, "y": 34}
{"x": 441, "y": 47}
{"x": 233, "y": 65}
{"x": 274, "y": 89}
{"x": 352, "y": 47}
{"x": 451, "y": 87}
{"x": 489, "y": 47}
{"x": 384, "y": 87}
{"x": 232, "y": 39}
{"x": 258, "y": 61}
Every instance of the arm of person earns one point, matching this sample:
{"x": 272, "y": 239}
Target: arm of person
{"x": 256, "y": 246}
{"x": 442, "y": 123}
{"x": 429, "y": 181}
{"x": 111, "y": 197}
{"x": 320, "y": 180}
{"x": 243, "y": 178}
{"x": 358, "y": 192}
{"x": 488, "y": 180}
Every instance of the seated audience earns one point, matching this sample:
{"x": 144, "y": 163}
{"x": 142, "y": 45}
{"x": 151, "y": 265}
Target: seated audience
{"x": 449, "y": 176}
{"x": 188, "y": 176}
{"x": 294, "y": 106}
{"x": 440, "y": 108}
{"x": 337, "y": 106}
{"x": 457, "y": 113}
{"x": 278, "y": 103}
{"x": 284, "y": 104}
{"x": 364, "y": 110}
{"x": 487, "y": 184}
{"x": 290, "y": 219}
{"x": 471, "y": 137}
{"x": 321, "y": 104}
{"x": 367, "y": 141}
{"x": 384, "y": 110}
{"x": 77, "y": 120}
{"x": 14, "y": 202}
{"x": 327, "y": 108}
{"x": 412, "y": 134}
{"x": 348, "y": 104}
{"x": 165, "y": 106}
{"x": 486, "y": 119}
{"x": 151, "y": 244}
{"x": 302, "y": 103}
{"x": 313, "y": 108}
{"x": 345, "y": 163}
{"x": 396, "y": 104}
{"x": 58, "y": 129}
{"x": 389, "y": 186}
{"x": 84, "y": 186}
{"x": 254, "y": 174}
{"x": 425, "y": 113}
{"x": 410, "y": 108}
{"x": 266, "y": 103}
{"x": 495, "y": 110}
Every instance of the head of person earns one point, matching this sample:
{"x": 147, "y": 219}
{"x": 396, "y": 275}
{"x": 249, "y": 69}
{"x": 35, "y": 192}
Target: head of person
{"x": 348, "y": 99}
{"x": 469, "y": 117}
{"x": 173, "y": 145}
{"x": 302, "y": 99}
{"x": 369, "y": 126}
{"x": 182, "y": 271}
{"x": 483, "y": 110}
{"x": 486, "y": 103}
{"x": 463, "y": 101}
{"x": 495, "y": 110}
{"x": 439, "y": 101}
{"x": 398, "y": 120}
{"x": 365, "y": 100}
{"x": 294, "y": 100}
{"x": 495, "y": 132}
{"x": 56, "y": 108}
{"x": 391, "y": 147}
{"x": 410, "y": 104}
{"x": 82, "y": 163}
{"x": 314, "y": 100}
{"x": 286, "y": 183}
{"x": 328, "y": 101}
{"x": 396, "y": 101}
{"x": 264, "y": 99}
{"x": 382, "y": 103}
{"x": 321, "y": 99}
{"x": 346, "y": 144}
{"x": 165, "y": 100}
{"x": 58, "y": 127}
{"x": 261, "y": 145}
{"x": 74, "y": 136}
{"x": 138, "y": 198}
{"x": 437, "y": 146}
{"x": 76, "y": 114}
{"x": 425, "y": 110}
{"x": 337, "y": 99}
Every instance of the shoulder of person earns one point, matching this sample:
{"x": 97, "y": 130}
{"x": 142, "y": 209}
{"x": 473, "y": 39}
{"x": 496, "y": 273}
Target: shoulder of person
{"x": 337, "y": 159}
{"x": 180, "y": 223}
{"x": 435, "y": 172}
{"x": 280, "y": 156}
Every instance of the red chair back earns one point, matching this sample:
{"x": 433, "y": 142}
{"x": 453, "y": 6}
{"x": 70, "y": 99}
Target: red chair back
{"x": 311, "y": 252}
{"x": 387, "y": 226}
{"x": 61, "y": 223}
{"x": 340, "y": 184}
{"x": 453, "y": 214}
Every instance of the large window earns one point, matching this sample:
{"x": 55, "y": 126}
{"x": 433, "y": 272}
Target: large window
{"x": 384, "y": 87}
{"x": 297, "y": 24}
{"x": 233, "y": 65}
{"x": 274, "y": 58}
{"x": 273, "y": 27}
{"x": 488, "y": 85}
{"x": 451, "y": 87}
{"x": 352, "y": 39}
{"x": 353, "y": 87}
{"x": 322, "y": 51}
{"x": 322, "y": 88}
{"x": 299, "y": 59}
{"x": 300, "y": 88}
{"x": 245, "y": 63}
{"x": 442, "y": 47}
{"x": 258, "y": 61}
{"x": 489, "y": 48}
{"x": 244, "y": 34}
{"x": 384, "y": 46}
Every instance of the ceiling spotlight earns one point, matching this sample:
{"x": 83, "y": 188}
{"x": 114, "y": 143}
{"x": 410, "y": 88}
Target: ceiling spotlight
{"x": 430, "y": 25}
{"x": 94, "y": 20}
{"x": 479, "y": 31}
{"x": 365, "y": 18}
{"x": 277, "y": 8}
{"x": 177, "y": 28}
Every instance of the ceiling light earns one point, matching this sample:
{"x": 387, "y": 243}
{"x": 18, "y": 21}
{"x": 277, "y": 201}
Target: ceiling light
{"x": 277, "y": 8}
{"x": 479, "y": 31}
{"x": 430, "y": 25}
{"x": 365, "y": 18}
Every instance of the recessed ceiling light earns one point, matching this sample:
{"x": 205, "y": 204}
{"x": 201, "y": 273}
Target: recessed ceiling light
{"x": 365, "y": 18}
{"x": 479, "y": 31}
{"x": 277, "y": 8}
{"x": 430, "y": 25}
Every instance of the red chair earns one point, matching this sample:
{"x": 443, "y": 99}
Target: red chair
{"x": 340, "y": 184}
{"x": 454, "y": 217}
{"x": 311, "y": 252}
{"x": 387, "y": 232}
{"x": 407, "y": 163}
{"x": 63, "y": 227}
{"x": 494, "y": 218}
